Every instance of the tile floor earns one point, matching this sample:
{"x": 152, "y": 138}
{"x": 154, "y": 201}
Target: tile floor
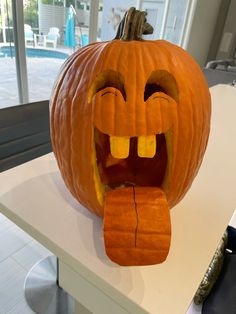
{"x": 18, "y": 253}
{"x": 41, "y": 76}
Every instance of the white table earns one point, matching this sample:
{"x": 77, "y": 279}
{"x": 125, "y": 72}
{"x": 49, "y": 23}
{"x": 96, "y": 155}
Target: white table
{"x": 34, "y": 196}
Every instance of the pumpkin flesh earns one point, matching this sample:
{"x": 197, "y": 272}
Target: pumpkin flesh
{"x": 127, "y": 220}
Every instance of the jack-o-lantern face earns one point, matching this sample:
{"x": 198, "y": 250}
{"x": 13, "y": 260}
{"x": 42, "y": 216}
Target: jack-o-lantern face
{"x": 129, "y": 124}
{"x": 131, "y": 135}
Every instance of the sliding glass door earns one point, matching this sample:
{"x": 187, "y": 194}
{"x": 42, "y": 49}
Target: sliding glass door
{"x": 34, "y": 44}
{"x": 8, "y": 81}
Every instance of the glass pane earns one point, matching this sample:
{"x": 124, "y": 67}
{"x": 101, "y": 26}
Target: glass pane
{"x": 113, "y": 11}
{"x": 155, "y": 11}
{"x": 54, "y": 29}
{"x": 82, "y": 9}
{"x": 8, "y": 81}
{"x": 100, "y": 16}
{"x": 111, "y": 15}
{"x": 175, "y": 21}
{"x": 44, "y": 55}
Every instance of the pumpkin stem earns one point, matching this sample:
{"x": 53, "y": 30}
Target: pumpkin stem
{"x": 133, "y": 25}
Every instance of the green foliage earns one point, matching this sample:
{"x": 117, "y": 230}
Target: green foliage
{"x": 61, "y": 2}
{"x": 31, "y": 13}
{"x": 54, "y": 2}
{"x": 7, "y": 3}
{"x": 47, "y": 1}
{"x": 69, "y": 2}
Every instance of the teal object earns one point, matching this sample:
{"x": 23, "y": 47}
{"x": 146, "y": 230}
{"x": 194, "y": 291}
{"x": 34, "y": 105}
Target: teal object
{"x": 70, "y": 30}
{"x": 84, "y": 40}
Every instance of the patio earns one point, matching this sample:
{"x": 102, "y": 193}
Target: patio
{"x": 41, "y": 75}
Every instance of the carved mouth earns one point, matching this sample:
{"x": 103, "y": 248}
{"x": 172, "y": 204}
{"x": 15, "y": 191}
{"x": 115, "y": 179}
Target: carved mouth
{"x": 130, "y": 161}
{"x": 132, "y": 170}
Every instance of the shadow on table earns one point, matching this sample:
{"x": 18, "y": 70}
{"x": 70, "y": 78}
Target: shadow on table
{"x": 97, "y": 223}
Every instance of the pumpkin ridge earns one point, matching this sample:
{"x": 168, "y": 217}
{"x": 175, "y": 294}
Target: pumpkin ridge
{"x": 165, "y": 184}
{"x": 205, "y": 127}
{"x": 167, "y": 46}
{"x": 73, "y": 108}
{"x": 85, "y": 66}
{"x": 104, "y": 55}
{"x": 112, "y": 48}
{"x": 119, "y": 57}
{"x": 188, "y": 154}
{"x": 197, "y": 116}
{"x": 54, "y": 106}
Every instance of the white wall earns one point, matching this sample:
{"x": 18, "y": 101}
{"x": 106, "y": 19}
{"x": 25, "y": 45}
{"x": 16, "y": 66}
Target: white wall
{"x": 51, "y": 16}
{"x": 227, "y": 45}
{"x": 202, "y": 29}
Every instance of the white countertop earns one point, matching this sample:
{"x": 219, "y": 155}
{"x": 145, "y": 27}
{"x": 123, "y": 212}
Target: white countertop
{"x": 33, "y": 195}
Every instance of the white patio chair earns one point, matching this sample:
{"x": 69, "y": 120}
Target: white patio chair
{"x": 52, "y": 36}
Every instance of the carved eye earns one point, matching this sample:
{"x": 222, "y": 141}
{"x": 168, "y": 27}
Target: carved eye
{"x": 150, "y": 89}
{"x": 161, "y": 81}
{"x": 109, "y": 82}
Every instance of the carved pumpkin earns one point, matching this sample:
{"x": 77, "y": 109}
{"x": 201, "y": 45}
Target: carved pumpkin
{"x": 130, "y": 121}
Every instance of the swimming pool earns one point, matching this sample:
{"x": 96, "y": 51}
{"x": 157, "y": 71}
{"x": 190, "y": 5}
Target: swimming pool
{"x": 6, "y": 51}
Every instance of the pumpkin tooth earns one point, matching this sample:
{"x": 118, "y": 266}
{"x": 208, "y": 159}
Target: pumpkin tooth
{"x": 119, "y": 146}
{"x": 147, "y": 146}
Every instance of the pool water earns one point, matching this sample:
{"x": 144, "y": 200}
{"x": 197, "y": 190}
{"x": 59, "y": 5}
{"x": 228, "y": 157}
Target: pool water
{"x": 33, "y": 53}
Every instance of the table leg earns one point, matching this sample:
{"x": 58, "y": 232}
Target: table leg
{"x": 42, "y": 292}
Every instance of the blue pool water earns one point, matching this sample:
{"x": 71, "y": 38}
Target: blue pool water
{"x": 34, "y": 53}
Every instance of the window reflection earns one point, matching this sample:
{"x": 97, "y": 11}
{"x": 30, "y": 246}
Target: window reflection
{"x": 8, "y": 82}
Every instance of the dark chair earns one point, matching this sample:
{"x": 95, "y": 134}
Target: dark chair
{"x": 24, "y": 133}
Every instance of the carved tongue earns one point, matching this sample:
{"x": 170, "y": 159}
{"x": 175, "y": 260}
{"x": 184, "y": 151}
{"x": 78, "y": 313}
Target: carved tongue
{"x": 137, "y": 227}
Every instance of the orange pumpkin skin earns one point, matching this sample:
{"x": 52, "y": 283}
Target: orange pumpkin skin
{"x": 72, "y": 116}
{"x": 81, "y": 102}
